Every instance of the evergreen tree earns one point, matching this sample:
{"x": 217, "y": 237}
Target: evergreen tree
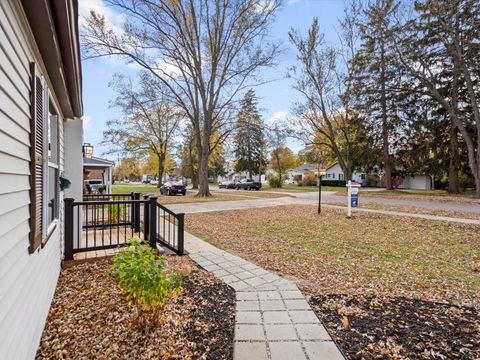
{"x": 442, "y": 57}
{"x": 249, "y": 140}
{"x": 377, "y": 76}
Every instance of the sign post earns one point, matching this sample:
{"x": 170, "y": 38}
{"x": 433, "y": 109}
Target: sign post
{"x": 319, "y": 176}
{"x": 352, "y": 197}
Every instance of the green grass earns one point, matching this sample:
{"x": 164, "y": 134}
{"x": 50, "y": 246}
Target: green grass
{"x": 390, "y": 255}
{"x": 122, "y": 188}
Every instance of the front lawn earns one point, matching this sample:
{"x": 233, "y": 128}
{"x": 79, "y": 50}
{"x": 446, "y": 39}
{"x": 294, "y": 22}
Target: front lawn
{"x": 363, "y": 271}
{"x": 412, "y": 209}
{"x": 90, "y": 318}
{"x": 122, "y": 188}
{"x": 419, "y": 195}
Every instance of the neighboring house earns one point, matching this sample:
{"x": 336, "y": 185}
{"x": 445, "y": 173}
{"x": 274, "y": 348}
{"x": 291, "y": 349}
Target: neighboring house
{"x": 40, "y": 143}
{"x": 100, "y": 170}
{"x": 297, "y": 174}
{"x": 417, "y": 181}
{"x": 335, "y": 172}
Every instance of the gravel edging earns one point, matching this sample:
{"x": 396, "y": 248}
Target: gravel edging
{"x": 89, "y": 318}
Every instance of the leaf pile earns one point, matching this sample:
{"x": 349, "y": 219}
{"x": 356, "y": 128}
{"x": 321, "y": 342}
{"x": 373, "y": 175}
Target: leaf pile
{"x": 399, "y": 328}
{"x": 90, "y": 318}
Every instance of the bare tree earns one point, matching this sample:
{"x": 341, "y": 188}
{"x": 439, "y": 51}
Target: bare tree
{"x": 323, "y": 77}
{"x": 204, "y": 51}
{"x": 149, "y": 120}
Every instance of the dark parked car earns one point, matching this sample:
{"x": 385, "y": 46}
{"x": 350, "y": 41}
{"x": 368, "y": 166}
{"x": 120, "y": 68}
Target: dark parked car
{"x": 173, "y": 188}
{"x": 248, "y": 184}
{"x": 226, "y": 185}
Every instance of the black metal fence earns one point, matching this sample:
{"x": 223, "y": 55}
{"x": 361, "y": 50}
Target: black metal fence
{"x": 107, "y": 221}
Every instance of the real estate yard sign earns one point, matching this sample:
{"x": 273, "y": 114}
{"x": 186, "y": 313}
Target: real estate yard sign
{"x": 352, "y": 197}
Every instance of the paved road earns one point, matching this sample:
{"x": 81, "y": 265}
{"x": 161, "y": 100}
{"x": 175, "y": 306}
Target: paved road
{"x": 309, "y": 198}
{"x": 435, "y": 205}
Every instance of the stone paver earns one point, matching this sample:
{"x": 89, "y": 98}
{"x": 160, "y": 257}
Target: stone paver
{"x": 273, "y": 319}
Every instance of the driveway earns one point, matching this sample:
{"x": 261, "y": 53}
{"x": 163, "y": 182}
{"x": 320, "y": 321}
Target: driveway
{"x": 311, "y": 198}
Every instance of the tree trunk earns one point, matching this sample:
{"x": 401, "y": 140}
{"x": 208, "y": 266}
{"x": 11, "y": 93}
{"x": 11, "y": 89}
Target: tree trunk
{"x": 161, "y": 169}
{"x": 194, "y": 180}
{"x": 387, "y": 165}
{"x": 203, "y": 189}
{"x": 453, "y": 163}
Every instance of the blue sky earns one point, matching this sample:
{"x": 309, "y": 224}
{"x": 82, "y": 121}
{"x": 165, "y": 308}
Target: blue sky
{"x": 276, "y": 97}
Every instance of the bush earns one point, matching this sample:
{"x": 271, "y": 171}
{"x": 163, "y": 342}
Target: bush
{"x": 142, "y": 277}
{"x": 275, "y": 181}
{"x": 116, "y": 213}
{"x": 102, "y": 189}
{"x": 341, "y": 183}
{"x": 309, "y": 180}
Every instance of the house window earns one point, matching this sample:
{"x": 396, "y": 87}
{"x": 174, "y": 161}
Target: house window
{"x": 51, "y": 181}
{"x": 340, "y": 176}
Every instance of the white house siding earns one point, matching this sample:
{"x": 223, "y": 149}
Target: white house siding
{"x": 417, "y": 182}
{"x": 27, "y": 282}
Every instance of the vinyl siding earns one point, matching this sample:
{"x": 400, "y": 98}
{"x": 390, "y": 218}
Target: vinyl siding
{"x": 27, "y": 282}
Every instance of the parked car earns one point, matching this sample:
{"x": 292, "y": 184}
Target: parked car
{"x": 173, "y": 188}
{"x": 146, "y": 179}
{"x": 126, "y": 181}
{"x": 248, "y": 184}
{"x": 226, "y": 185}
{"x": 153, "y": 182}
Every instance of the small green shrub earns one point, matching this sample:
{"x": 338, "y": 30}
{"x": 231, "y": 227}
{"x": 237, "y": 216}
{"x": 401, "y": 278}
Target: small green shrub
{"x": 141, "y": 275}
{"x": 102, "y": 189}
{"x": 116, "y": 213}
{"x": 275, "y": 181}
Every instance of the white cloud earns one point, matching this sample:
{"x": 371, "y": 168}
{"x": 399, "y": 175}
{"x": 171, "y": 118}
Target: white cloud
{"x": 88, "y": 130}
{"x": 278, "y": 118}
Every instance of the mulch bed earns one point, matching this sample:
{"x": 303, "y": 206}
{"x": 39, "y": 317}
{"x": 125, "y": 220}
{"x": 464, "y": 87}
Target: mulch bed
{"x": 90, "y": 319}
{"x": 373, "y": 327}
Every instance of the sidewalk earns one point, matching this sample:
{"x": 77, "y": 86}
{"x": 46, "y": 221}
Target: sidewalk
{"x": 273, "y": 321}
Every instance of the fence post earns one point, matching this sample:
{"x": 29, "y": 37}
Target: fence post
{"x": 181, "y": 233}
{"x": 152, "y": 234}
{"x": 136, "y": 212}
{"x": 132, "y": 210}
{"x": 146, "y": 217}
{"x": 68, "y": 248}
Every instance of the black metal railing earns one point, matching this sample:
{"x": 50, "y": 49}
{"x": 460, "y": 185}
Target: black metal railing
{"x": 106, "y": 221}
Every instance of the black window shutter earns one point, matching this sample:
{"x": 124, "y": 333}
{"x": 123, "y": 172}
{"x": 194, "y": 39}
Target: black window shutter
{"x": 36, "y": 158}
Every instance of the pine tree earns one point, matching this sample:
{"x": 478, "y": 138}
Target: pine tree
{"x": 441, "y": 54}
{"x": 249, "y": 140}
{"x": 376, "y": 77}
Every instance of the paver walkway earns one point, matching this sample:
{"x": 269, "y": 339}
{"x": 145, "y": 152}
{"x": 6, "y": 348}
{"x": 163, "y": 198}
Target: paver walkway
{"x": 273, "y": 320}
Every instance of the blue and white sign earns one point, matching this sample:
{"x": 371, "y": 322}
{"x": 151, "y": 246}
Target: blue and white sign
{"x": 354, "y": 200}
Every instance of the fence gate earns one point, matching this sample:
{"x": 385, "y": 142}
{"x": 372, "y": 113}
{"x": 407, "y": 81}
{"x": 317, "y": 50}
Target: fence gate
{"x": 108, "y": 221}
